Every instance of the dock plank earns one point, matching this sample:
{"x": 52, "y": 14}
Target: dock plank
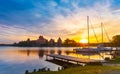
{"x": 75, "y": 59}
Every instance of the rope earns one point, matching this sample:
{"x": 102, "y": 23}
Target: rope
{"x": 105, "y": 29}
{"x": 106, "y": 34}
{"x": 94, "y": 32}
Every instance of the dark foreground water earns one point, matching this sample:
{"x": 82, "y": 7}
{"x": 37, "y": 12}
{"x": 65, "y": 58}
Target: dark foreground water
{"x": 15, "y": 60}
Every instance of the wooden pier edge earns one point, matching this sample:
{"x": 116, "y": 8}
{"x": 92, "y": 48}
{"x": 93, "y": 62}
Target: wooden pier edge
{"x": 73, "y": 59}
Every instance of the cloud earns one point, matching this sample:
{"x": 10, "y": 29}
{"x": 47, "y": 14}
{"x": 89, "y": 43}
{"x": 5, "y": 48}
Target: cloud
{"x": 53, "y": 19}
{"x": 14, "y": 33}
{"x": 76, "y": 20}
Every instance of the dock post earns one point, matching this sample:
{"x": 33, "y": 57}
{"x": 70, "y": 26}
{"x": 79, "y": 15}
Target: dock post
{"x": 77, "y": 62}
{"x": 26, "y": 72}
{"x": 67, "y": 60}
{"x": 46, "y": 57}
{"x": 53, "y": 58}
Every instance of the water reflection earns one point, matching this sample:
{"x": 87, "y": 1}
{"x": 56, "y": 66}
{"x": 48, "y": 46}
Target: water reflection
{"x": 40, "y": 53}
{"x": 20, "y": 59}
{"x": 28, "y": 52}
{"x": 59, "y": 52}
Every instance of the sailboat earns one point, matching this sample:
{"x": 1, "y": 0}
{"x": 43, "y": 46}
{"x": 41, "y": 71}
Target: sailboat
{"x": 99, "y": 48}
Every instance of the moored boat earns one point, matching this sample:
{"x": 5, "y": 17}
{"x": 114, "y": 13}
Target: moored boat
{"x": 89, "y": 49}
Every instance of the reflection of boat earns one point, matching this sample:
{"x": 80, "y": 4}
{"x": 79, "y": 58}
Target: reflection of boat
{"x": 99, "y": 48}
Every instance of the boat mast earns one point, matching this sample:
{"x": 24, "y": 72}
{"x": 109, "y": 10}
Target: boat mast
{"x": 88, "y": 29}
{"x": 102, "y": 32}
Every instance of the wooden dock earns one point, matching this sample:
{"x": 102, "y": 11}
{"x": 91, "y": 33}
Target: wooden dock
{"x": 73, "y": 59}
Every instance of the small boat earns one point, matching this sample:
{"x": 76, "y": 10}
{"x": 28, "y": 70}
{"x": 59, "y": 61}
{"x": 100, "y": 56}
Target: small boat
{"x": 91, "y": 50}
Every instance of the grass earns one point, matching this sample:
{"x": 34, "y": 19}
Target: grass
{"x": 115, "y": 60}
{"x": 97, "y": 69}
{"x": 86, "y": 70}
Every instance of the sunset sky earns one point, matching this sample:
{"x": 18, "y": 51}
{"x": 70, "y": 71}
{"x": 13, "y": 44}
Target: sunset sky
{"x": 20, "y": 19}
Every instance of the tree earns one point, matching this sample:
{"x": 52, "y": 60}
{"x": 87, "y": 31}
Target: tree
{"x": 116, "y": 40}
{"x": 59, "y": 42}
{"x": 69, "y": 42}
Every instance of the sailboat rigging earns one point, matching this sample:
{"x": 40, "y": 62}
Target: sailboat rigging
{"x": 99, "y": 48}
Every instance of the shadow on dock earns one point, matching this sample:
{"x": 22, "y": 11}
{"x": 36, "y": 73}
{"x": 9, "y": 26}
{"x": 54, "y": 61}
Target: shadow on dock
{"x": 64, "y": 64}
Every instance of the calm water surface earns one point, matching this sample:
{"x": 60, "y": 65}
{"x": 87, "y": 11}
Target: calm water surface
{"x": 15, "y": 60}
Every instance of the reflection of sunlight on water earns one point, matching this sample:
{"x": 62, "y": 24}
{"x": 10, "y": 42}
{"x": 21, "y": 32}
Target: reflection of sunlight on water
{"x": 30, "y": 58}
{"x": 25, "y": 55}
{"x": 97, "y": 56}
{"x": 19, "y": 59}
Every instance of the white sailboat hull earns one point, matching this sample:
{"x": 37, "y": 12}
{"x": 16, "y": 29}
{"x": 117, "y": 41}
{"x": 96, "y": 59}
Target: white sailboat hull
{"x": 92, "y": 50}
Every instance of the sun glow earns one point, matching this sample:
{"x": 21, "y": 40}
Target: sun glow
{"x": 83, "y": 41}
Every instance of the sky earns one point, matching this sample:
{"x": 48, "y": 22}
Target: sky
{"x": 22, "y": 19}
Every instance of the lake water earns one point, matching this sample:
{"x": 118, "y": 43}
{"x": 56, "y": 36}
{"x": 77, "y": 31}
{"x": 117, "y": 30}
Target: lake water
{"x": 16, "y": 60}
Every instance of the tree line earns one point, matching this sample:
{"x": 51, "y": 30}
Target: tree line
{"x": 115, "y": 42}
